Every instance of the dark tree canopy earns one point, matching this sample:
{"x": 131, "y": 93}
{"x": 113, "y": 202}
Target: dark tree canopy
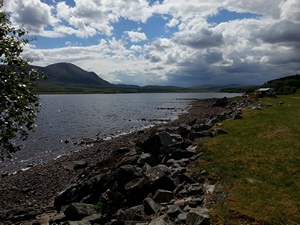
{"x": 18, "y": 103}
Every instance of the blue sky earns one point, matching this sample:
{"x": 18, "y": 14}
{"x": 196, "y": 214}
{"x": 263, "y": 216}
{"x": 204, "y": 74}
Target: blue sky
{"x": 166, "y": 42}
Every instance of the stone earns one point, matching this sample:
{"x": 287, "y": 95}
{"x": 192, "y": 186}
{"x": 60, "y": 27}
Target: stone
{"x": 77, "y": 211}
{"x": 150, "y": 207}
{"x": 163, "y": 196}
{"x": 195, "y": 202}
{"x": 162, "y": 220}
{"x": 184, "y": 129}
{"x": 120, "y": 151}
{"x": 136, "y": 191}
{"x": 4, "y": 174}
{"x": 201, "y": 127}
{"x": 193, "y": 218}
{"x": 82, "y": 222}
{"x": 202, "y": 134}
{"x": 221, "y": 102}
{"x": 237, "y": 117}
{"x": 180, "y": 154}
{"x": 217, "y": 131}
{"x": 197, "y": 156}
{"x": 192, "y": 148}
{"x": 209, "y": 188}
{"x": 80, "y": 164}
{"x": 176, "y": 137}
{"x": 173, "y": 211}
{"x": 194, "y": 189}
{"x": 159, "y": 177}
{"x": 133, "y": 213}
{"x": 184, "y": 178}
{"x": 146, "y": 158}
{"x": 154, "y": 143}
{"x": 128, "y": 173}
{"x": 182, "y": 217}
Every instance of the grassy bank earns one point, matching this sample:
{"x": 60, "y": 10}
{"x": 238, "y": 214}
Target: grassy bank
{"x": 258, "y": 163}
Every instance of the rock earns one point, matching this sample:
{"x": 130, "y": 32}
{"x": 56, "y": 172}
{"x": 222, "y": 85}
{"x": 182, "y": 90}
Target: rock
{"x": 194, "y": 189}
{"x": 163, "y": 196}
{"x": 182, "y": 217}
{"x": 162, "y": 220}
{"x": 154, "y": 143}
{"x": 184, "y": 178}
{"x": 201, "y": 127}
{"x": 133, "y": 213}
{"x": 150, "y": 207}
{"x": 173, "y": 211}
{"x": 197, "y": 156}
{"x": 192, "y": 148}
{"x": 176, "y": 138}
{"x": 237, "y": 117}
{"x": 197, "y": 216}
{"x": 4, "y": 174}
{"x": 181, "y": 154}
{"x": 82, "y": 222}
{"x": 119, "y": 151}
{"x": 221, "y": 102}
{"x": 194, "y": 202}
{"x": 159, "y": 177}
{"x": 217, "y": 132}
{"x": 184, "y": 129}
{"x": 195, "y": 135}
{"x": 80, "y": 164}
{"x": 209, "y": 188}
{"x": 128, "y": 173}
{"x": 136, "y": 191}
{"x": 146, "y": 158}
{"x": 77, "y": 211}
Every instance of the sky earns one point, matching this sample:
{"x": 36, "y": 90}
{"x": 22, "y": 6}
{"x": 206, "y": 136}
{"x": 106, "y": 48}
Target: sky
{"x": 165, "y": 42}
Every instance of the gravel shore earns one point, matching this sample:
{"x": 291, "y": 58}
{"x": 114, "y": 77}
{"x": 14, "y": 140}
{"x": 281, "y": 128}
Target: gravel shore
{"x": 37, "y": 187}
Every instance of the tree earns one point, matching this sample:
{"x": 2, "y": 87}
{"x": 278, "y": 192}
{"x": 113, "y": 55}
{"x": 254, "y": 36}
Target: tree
{"x": 18, "y": 103}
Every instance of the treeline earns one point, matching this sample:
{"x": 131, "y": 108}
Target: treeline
{"x": 283, "y": 86}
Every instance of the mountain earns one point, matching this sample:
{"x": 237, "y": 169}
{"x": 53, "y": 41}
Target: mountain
{"x": 222, "y": 87}
{"x": 69, "y": 78}
{"x": 67, "y": 73}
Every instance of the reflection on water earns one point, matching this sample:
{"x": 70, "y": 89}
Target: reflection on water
{"x": 65, "y": 120}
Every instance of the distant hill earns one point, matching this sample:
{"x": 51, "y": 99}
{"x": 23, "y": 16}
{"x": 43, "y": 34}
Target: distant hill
{"x": 285, "y": 85}
{"x": 67, "y": 73}
{"x": 222, "y": 87}
{"x": 69, "y": 78}
{"x": 282, "y": 86}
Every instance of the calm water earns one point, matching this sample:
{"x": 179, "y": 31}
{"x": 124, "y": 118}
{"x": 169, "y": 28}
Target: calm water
{"x": 71, "y": 118}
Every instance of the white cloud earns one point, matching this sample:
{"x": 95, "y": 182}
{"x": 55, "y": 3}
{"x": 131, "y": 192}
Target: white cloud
{"x": 136, "y": 48}
{"x": 198, "y": 52}
{"x": 136, "y": 36}
{"x": 172, "y": 23}
{"x": 33, "y": 14}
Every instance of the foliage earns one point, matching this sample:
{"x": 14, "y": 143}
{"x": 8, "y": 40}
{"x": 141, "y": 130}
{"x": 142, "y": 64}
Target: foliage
{"x": 257, "y": 163}
{"x": 286, "y": 85}
{"x": 283, "y": 86}
{"x": 18, "y": 104}
{"x": 99, "y": 207}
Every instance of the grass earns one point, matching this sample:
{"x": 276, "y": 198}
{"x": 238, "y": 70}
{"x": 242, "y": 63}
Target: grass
{"x": 258, "y": 163}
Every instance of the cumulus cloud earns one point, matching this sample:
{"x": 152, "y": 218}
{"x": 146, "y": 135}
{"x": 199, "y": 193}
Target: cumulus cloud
{"x": 136, "y": 36}
{"x": 203, "y": 39}
{"x": 193, "y": 51}
{"x": 33, "y": 14}
{"x": 281, "y": 32}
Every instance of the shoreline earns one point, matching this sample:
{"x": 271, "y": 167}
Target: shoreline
{"x": 36, "y": 188}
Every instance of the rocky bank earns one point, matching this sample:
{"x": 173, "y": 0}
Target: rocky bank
{"x": 141, "y": 178}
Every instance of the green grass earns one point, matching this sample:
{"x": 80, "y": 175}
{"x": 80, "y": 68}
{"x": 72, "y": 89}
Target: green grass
{"x": 265, "y": 147}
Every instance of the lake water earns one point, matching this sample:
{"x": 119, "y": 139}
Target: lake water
{"x": 67, "y": 119}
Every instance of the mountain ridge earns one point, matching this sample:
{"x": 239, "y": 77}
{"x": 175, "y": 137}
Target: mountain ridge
{"x": 69, "y": 73}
